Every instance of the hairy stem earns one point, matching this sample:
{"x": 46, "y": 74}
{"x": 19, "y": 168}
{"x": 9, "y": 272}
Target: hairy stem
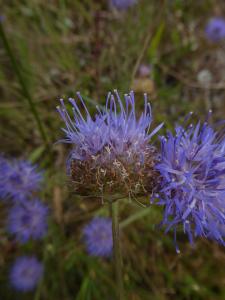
{"x": 117, "y": 249}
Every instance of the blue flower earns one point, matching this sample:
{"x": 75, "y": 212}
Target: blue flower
{"x": 28, "y": 220}
{"x": 18, "y": 179}
{"x": 98, "y": 237}
{"x": 111, "y": 150}
{"x": 215, "y": 29}
{"x": 122, "y": 4}
{"x": 192, "y": 190}
{"x": 25, "y": 273}
{"x": 144, "y": 70}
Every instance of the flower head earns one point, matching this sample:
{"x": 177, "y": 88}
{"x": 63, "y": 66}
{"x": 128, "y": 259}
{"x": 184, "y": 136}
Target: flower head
{"x": 215, "y": 29}
{"x": 144, "y": 70}
{"x": 122, "y": 4}
{"x": 18, "y": 178}
{"x": 192, "y": 191}
{"x": 28, "y": 220}
{"x": 26, "y": 273}
{"x": 111, "y": 151}
{"x": 98, "y": 237}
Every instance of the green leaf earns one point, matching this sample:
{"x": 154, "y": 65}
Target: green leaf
{"x": 84, "y": 292}
{"x": 35, "y": 155}
{"x": 155, "y": 42}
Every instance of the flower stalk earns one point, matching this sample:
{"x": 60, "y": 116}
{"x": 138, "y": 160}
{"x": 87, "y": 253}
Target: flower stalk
{"x": 114, "y": 209}
{"x": 23, "y": 85}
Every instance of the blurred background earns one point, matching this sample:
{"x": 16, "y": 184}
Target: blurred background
{"x": 50, "y": 50}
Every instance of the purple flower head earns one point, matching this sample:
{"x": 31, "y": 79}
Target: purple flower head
{"x": 144, "y": 70}
{"x": 215, "y": 29}
{"x": 98, "y": 237}
{"x": 122, "y": 4}
{"x": 2, "y": 18}
{"x": 28, "y": 220}
{"x": 18, "y": 179}
{"x": 192, "y": 192}
{"x": 110, "y": 149}
{"x": 25, "y": 273}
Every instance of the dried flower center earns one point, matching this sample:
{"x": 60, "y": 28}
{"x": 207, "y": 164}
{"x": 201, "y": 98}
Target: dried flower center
{"x": 130, "y": 173}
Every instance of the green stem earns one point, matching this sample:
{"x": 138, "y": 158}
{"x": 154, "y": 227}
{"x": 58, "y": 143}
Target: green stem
{"x": 116, "y": 249}
{"x": 22, "y": 83}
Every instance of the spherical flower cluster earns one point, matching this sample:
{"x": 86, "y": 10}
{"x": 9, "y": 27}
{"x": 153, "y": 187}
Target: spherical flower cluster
{"x": 192, "y": 190}
{"x": 18, "y": 179}
{"x": 98, "y": 237}
{"x": 26, "y": 273}
{"x": 111, "y": 152}
{"x": 215, "y": 29}
{"x": 122, "y": 4}
{"x": 28, "y": 220}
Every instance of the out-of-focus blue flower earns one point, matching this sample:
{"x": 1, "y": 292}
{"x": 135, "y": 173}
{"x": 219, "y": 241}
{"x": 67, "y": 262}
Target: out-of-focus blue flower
{"x": 144, "y": 70}
{"x": 18, "y": 178}
{"x": 122, "y": 4}
{"x": 192, "y": 192}
{"x": 115, "y": 141}
{"x": 98, "y": 237}
{"x": 28, "y": 220}
{"x": 215, "y": 29}
{"x": 25, "y": 273}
